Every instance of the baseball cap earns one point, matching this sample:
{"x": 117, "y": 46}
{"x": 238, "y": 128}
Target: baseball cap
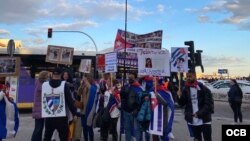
{"x": 57, "y": 71}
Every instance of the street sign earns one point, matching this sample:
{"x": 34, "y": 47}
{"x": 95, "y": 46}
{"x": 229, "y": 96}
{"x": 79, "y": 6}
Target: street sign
{"x": 222, "y": 71}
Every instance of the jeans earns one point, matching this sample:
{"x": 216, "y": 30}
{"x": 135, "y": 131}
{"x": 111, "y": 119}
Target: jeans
{"x": 88, "y": 132}
{"x": 38, "y": 130}
{"x": 132, "y": 127}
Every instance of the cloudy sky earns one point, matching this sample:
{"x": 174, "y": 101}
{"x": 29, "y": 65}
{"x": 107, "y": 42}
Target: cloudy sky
{"x": 221, "y": 28}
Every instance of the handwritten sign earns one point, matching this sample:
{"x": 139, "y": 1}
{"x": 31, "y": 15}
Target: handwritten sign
{"x": 153, "y": 62}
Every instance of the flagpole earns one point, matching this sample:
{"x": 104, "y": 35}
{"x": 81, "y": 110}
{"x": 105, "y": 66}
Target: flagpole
{"x": 124, "y": 65}
{"x": 125, "y": 48}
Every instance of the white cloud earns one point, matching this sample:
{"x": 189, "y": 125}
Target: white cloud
{"x": 20, "y": 11}
{"x": 34, "y": 42}
{"x": 235, "y": 12}
{"x": 223, "y": 61}
{"x": 160, "y": 8}
{"x": 4, "y": 32}
{"x": 73, "y": 26}
{"x": 78, "y": 25}
{"x": 26, "y": 11}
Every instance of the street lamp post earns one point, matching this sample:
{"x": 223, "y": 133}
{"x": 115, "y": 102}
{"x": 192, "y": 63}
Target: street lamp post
{"x": 84, "y": 34}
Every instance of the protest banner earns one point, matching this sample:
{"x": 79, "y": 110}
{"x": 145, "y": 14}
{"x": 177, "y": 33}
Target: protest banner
{"x": 150, "y": 40}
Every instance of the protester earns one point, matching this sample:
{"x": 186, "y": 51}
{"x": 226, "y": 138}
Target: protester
{"x": 111, "y": 112}
{"x": 130, "y": 107}
{"x": 103, "y": 99}
{"x": 78, "y": 126}
{"x": 66, "y": 76}
{"x": 198, "y": 102}
{"x": 235, "y": 100}
{"x": 83, "y": 93}
{"x": 9, "y": 118}
{"x": 36, "y": 110}
{"x": 56, "y": 86}
{"x": 115, "y": 104}
{"x": 88, "y": 93}
{"x": 164, "y": 97}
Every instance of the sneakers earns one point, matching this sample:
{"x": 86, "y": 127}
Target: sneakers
{"x": 171, "y": 135}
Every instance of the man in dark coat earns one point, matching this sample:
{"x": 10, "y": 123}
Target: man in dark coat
{"x": 198, "y": 102}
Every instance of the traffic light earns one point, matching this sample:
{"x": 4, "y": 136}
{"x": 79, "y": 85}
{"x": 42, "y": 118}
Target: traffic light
{"x": 198, "y": 60}
{"x": 50, "y": 30}
{"x": 191, "y": 55}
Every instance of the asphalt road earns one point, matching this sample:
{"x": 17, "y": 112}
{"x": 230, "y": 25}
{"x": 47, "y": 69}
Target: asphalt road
{"x": 223, "y": 115}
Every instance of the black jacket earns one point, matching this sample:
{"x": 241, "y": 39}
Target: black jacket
{"x": 205, "y": 103}
{"x": 235, "y": 94}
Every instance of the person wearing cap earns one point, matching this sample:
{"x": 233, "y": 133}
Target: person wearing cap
{"x": 58, "y": 123}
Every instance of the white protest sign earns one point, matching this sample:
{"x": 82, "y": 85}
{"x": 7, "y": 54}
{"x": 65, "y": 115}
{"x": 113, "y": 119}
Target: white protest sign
{"x": 111, "y": 62}
{"x": 85, "y": 66}
{"x": 179, "y": 59}
{"x": 154, "y": 62}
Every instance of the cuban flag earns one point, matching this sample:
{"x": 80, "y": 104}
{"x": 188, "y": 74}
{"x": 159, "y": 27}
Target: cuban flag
{"x": 156, "y": 122}
{"x": 167, "y": 96}
{"x": 9, "y": 119}
{"x": 120, "y": 41}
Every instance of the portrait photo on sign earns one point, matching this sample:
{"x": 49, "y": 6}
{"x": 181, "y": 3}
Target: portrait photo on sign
{"x": 9, "y": 66}
{"x": 53, "y": 54}
{"x": 66, "y": 55}
{"x": 148, "y": 63}
{"x": 85, "y": 66}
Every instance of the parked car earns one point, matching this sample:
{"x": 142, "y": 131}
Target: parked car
{"x": 221, "y": 88}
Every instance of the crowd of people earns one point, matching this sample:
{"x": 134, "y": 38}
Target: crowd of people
{"x": 145, "y": 106}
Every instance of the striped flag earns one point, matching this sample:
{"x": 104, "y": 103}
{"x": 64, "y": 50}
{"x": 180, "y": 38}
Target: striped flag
{"x": 167, "y": 96}
{"x": 9, "y": 119}
{"x": 156, "y": 122}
